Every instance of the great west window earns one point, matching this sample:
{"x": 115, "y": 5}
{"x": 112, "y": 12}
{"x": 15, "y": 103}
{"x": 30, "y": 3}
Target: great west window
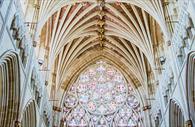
{"x": 101, "y": 97}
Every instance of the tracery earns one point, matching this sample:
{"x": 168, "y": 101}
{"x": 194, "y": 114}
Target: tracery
{"x": 101, "y": 97}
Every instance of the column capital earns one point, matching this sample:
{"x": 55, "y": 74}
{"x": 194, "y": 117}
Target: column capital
{"x": 188, "y": 123}
{"x": 57, "y": 109}
{"x": 17, "y": 123}
{"x": 147, "y": 107}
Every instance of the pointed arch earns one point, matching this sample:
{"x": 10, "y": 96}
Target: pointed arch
{"x": 29, "y": 115}
{"x": 190, "y": 85}
{"x": 101, "y": 95}
{"x": 176, "y": 116}
{"x": 115, "y": 60}
{"x": 9, "y": 88}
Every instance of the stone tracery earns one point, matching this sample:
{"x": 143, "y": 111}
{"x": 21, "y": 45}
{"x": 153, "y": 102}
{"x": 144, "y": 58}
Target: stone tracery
{"x": 101, "y": 97}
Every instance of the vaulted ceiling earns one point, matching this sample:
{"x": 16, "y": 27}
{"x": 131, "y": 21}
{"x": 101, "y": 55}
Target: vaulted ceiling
{"x": 124, "y": 32}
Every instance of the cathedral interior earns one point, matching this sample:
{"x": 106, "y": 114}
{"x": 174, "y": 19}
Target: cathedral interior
{"x": 97, "y": 63}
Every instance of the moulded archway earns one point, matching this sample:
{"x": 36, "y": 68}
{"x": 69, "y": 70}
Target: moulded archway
{"x": 9, "y": 89}
{"x": 90, "y": 58}
{"x": 29, "y": 115}
{"x": 176, "y": 116}
{"x": 93, "y": 96}
{"x": 190, "y": 85}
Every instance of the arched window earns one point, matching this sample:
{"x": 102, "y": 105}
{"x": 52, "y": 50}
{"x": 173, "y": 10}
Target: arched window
{"x": 175, "y": 115}
{"x": 101, "y": 97}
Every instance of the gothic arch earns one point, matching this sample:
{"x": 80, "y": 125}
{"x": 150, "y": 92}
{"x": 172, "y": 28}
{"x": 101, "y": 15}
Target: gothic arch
{"x": 176, "y": 116}
{"x": 106, "y": 104}
{"x": 9, "y": 89}
{"x": 190, "y": 85}
{"x": 29, "y": 115}
{"x": 74, "y": 72}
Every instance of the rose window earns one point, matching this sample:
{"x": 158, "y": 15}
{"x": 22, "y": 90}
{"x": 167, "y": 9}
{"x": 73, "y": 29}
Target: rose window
{"x": 100, "y": 97}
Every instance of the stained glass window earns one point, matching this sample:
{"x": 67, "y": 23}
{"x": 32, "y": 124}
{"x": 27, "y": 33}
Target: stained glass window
{"x": 101, "y": 97}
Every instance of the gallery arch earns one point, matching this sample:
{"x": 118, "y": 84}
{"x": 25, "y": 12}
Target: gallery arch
{"x": 190, "y": 85}
{"x": 29, "y": 115}
{"x": 176, "y": 116}
{"x": 9, "y": 89}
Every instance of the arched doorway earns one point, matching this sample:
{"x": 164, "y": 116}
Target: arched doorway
{"x": 190, "y": 85}
{"x": 9, "y": 89}
{"x": 29, "y": 115}
{"x": 176, "y": 118}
